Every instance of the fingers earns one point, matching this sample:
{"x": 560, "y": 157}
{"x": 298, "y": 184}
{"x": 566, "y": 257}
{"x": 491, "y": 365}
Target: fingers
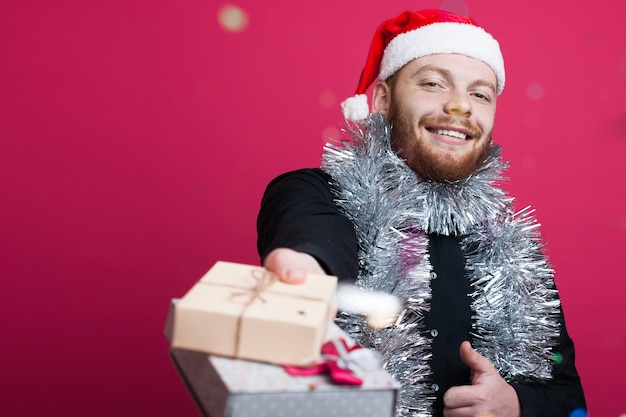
{"x": 477, "y": 363}
{"x": 291, "y": 266}
{"x": 495, "y": 398}
{"x": 459, "y": 397}
{"x": 488, "y": 395}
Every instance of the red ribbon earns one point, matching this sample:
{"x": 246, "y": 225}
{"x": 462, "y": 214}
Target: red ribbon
{"x": 332, "y": 351}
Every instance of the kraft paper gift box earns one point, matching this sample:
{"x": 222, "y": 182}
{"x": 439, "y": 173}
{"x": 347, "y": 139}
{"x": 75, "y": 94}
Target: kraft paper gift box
{"x": 226, "y": 387}
{"x": 243, "y": 311}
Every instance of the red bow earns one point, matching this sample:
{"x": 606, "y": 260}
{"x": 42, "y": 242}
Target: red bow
{"x": 336, "y": 363}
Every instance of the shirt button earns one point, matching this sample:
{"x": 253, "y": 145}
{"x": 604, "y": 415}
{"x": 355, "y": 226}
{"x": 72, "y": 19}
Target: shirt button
{"x": 435, "y": 387}
{"x": 433, "y": 275}
{"x": 434, "y": 332}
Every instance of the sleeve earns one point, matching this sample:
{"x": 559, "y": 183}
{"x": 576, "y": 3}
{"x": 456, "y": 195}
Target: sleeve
{"x": 563, "y": 394}
{"x": 298, "y": 212}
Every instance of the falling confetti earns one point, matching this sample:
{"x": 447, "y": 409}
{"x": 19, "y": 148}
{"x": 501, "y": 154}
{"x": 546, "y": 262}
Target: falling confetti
{"x": 232, "y": 18}
{"x": 455, "y": 6}
{"x": 330, "y": 134}
{"x": 534, "y": 91}
{"x": 579, "y": 412}
{"x": 327, "y": 99}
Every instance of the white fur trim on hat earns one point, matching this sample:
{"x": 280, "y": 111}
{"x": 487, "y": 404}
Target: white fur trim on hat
{"x": 355, "y": 108}
{"x": 442, "y": 38}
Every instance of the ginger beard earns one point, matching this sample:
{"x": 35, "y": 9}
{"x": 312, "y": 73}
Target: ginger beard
{"x": 430, "y": 163}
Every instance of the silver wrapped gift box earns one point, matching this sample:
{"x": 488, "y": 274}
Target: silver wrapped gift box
{"x": 226, "y": 387}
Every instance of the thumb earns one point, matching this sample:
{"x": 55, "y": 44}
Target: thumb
{"x": 291, "y": 266}
{"x": 476, "y": 362}
{"x": 284, "y": 263}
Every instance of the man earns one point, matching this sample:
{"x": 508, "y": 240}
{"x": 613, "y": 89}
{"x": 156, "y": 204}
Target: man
{"x": 410, "y": 206}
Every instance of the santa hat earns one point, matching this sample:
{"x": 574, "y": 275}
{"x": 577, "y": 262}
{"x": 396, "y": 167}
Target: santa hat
{"x": 412, "y": 35}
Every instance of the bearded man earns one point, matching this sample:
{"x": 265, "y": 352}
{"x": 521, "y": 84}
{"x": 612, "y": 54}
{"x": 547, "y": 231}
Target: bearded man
{"x": 410, "y": 206}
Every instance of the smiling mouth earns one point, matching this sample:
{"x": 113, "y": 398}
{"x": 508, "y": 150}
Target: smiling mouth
{"x": 451, "y": 133}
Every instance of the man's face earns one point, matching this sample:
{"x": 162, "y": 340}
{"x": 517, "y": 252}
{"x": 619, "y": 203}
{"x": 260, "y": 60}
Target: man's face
{"x": 442, "y": 109}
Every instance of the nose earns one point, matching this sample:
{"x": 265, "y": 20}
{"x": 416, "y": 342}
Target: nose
{"x": 458, "y": 104}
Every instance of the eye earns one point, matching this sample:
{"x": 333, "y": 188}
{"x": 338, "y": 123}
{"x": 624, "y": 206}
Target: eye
{"x": 431, "y": 84}
{"x": 482, "y": 96}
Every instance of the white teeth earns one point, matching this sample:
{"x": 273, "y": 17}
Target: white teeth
{"x": 452, "y": 133}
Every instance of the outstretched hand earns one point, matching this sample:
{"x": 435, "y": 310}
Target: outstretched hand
{"x": 489, "y": 395}
{"x": 291, "y": 266}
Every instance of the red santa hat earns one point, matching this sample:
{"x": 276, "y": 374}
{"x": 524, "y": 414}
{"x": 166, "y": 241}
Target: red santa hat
{"x": 412, "y": 35}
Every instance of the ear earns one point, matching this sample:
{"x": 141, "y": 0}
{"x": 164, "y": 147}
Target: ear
{"x": 381, "y": 97}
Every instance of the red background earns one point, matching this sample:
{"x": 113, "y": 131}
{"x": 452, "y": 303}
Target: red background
{"x": 138, "y": 136}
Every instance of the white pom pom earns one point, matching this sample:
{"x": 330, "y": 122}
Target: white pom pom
{"x": 355, "y": 108}
{"x": 381, "y": 308}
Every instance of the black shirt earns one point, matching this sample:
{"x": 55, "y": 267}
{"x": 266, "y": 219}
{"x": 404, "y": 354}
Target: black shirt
{"x": 298, "y": 212}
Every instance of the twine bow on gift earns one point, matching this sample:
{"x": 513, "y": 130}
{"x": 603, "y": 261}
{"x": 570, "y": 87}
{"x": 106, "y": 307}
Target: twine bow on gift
{"x": 342, "y": 362}
{"x": 264, "y": 279}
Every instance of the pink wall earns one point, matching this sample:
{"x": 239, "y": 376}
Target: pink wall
{"x": 137, "y": 138}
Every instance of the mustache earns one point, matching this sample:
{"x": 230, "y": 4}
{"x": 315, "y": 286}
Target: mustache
{"x": 444, "y": 120}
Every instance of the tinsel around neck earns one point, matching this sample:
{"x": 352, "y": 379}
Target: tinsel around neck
{"x": 393, "y": 211}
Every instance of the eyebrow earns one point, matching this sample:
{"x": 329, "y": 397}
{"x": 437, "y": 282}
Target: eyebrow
{"x": 448, "y": 75}
{"x": 483, "y": 83}
{"x": 426, "y": 68}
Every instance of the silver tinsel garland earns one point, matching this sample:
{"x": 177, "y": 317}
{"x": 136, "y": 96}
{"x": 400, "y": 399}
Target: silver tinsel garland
{"x": 515, "y": 304}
